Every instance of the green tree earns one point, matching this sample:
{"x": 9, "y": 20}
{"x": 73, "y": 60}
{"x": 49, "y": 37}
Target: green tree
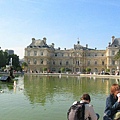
{"x": 44, "y": 69}
{"x": 15, "y": 62}
{"x": 62, "y": 69}
{"x": 88, "y": 70}
{"x": 3, "y": 57}
{"x": 24, "y": 64}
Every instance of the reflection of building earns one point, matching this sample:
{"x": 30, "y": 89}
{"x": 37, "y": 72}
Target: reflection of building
{"x": 39, "y": 55}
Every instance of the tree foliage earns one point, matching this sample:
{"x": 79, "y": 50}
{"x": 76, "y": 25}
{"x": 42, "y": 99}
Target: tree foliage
{"x": 5, "y": 59}
{"x": 88, "y": 70}
{"x": 62, "y": 69}
{"x": 24, "y": 64}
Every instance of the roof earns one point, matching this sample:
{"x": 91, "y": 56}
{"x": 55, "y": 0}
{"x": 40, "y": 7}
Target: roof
{"x": 39, "y": 44}
{"x": 115, "y": 43}
{"x": 80, "y": 47}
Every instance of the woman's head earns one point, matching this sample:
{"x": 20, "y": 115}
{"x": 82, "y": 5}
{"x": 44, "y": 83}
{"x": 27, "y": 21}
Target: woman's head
{"x": 86, "y": 97}
{"x": 115, "y": 89}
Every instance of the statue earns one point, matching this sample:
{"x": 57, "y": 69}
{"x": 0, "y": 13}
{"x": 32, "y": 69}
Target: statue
{"x": 11, "y": 72}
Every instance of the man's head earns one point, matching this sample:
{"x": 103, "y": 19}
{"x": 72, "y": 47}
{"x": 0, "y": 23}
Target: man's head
{"x": 86, "y": 97}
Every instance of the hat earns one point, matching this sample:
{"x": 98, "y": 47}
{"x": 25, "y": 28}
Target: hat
{"x": 117, "y": 116}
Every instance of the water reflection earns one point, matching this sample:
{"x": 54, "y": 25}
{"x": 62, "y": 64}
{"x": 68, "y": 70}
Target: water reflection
{"x": 39, "y": 89}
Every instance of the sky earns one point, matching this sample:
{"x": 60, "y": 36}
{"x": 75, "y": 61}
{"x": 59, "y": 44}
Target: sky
{"x": 62, "y": 22}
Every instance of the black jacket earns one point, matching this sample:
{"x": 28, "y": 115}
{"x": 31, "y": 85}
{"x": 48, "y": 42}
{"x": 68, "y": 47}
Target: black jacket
{"x": 112, "y": 106}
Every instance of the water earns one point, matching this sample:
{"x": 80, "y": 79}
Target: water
{"x": 49, "y": 98}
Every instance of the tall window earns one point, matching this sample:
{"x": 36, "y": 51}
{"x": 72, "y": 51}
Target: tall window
{"x": 95, "y": 62}
{"x": 28, "y": 53}
{"x": 67, "y": 63}
{"x": 113, "y": 62}
{"x": 35, "y": 61}
{"x": 88, "y": 63}
{"x": 28, "y": 61}
{"x": 41, "y": 61}
{"x": 41, "y": 53}
{"x": 55, "y": 54}
{"x": 113, "y": 52}
{"x": 53, "y": 62}
{"x": 77, "y": 62}
{"x": 35, "y": 53}
{"x": 60, "y": 62}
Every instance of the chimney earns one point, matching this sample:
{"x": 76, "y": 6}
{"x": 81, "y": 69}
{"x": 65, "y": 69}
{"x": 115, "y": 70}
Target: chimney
{"x": 44, "y": 39}
{"x": 109, "y": 44}
{"x": 33, "y": 40}
{"x": 78, "y": 42}
{"x": 113, "y": 38}
{"x": 53, "y": 45}
{"x": 86, "y": 45}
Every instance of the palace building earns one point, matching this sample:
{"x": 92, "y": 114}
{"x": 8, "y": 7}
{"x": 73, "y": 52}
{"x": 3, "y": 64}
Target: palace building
{"x": 43, "y": 57}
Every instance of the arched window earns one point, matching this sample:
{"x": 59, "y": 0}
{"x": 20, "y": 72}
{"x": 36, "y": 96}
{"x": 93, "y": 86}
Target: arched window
{"x": 41, "y": 61}
{"x": 35, "y": 61}
{"x": 67, "y": 62}
{"x": 95, "y": 62}
{"x": 53, "y": 62}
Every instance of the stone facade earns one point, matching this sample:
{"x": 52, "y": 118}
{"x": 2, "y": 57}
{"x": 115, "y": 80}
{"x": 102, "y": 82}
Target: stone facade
{"x": 42, "y": 57}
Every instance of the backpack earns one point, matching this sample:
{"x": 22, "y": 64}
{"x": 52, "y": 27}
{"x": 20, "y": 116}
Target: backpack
{"x": 76, "y": 111}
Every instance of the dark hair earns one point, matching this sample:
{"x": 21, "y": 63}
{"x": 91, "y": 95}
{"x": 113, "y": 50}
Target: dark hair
{"x": 114, "y": 88}
{"x": 86, "y": 97}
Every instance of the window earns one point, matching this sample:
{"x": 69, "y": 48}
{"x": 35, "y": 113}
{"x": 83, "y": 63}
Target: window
{"x": 53, "y": 62}
{"x": 102, "y": 62}
{"x": 28, "y": 61}
{"x": 96, "y": 70}
{"x": 60, "y": 63}
{"x": 95, "y": 62}
{"x": 95, "y": 54}
{"x": 88, "y": 63}
{"x": 77, "y": 62}
{"x": 28, "y": 53}
{"x": 42, "y": 53}
{"x": 88, "y": 54}
{"x": 66, "y": 62}
{"x": 41, "y": 61}
{"x": 113, "y": 62}
{"x": 113, "y": 52}
{"x": 35, "y": 53}
{"x": 55, "y": 54}
{"x": 35, "y": 61}
{"x": 53, "y": 69}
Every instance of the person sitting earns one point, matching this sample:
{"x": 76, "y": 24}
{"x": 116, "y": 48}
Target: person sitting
{"x": 89, "y": 111}
{"x": 112, "y": 104}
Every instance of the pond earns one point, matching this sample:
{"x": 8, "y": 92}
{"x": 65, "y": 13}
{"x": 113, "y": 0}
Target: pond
{"x": 36, "y": 97}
